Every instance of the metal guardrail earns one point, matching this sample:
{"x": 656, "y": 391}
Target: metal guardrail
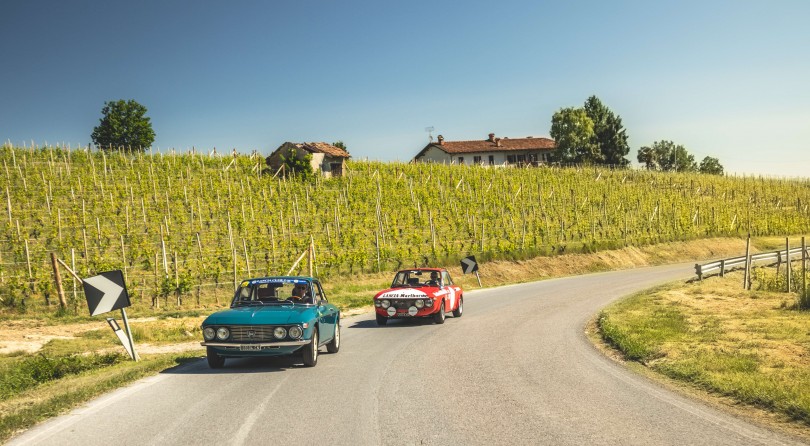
{"x": 722, "y": 266}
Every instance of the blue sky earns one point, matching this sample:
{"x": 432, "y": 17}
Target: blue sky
{"x": 730, "y": 79}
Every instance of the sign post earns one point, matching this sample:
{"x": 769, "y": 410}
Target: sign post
{"x": 107, "y": 292}
{"x": 469, "y": 265}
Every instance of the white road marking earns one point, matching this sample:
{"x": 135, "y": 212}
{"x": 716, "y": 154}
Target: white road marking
{"x": 241, "y": 435}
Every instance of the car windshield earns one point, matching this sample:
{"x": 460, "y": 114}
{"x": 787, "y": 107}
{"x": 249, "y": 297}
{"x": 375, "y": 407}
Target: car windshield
{"x": 416, "y": 278}
{"x": 273, "y": 291}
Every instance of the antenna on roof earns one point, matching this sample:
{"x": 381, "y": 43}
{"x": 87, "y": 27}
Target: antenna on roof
{"x": 430, "y": 132}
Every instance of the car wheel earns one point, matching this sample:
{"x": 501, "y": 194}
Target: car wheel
{"x": 440, "y": 316}
{"x": 381, "y": 320}
{"x": 334, "y": 345}
{"x": 311, "y": 350}
{"x": 214, "y": 360}
{"x": 458, "y": 311}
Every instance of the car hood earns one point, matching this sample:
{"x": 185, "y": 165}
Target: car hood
{"x": 268, "y": 314}
{"x": 410, "y": 293}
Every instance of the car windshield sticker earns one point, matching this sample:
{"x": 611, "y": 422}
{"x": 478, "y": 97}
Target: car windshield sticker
{"x": 278, "y": 280}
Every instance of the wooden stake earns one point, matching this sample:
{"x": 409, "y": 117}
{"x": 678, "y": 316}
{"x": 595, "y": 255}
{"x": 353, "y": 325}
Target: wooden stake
{"x": 58, "y": 278}
{"x": 787, "y": 264}
{"x": 747, "y": 275}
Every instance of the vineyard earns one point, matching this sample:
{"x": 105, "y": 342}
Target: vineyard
{"x": 181, "y": 225}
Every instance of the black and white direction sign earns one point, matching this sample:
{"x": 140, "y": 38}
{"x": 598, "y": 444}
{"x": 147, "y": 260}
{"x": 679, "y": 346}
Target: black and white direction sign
{"x": 469, "y": 265}
{"x": 106, "y": 292}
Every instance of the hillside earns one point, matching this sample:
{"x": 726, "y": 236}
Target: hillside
{"x": 182, "y": 225}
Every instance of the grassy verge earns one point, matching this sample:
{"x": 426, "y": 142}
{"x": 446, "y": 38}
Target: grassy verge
{"x": 751, "y": 346}
{"x": 54, "y": 397}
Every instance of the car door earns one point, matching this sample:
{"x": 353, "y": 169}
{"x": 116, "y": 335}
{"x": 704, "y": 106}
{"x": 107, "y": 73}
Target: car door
{"x": 450, "y": 289}
{"x": 327, "y": 314}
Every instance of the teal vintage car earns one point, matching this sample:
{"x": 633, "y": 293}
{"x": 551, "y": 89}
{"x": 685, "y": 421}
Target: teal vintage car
{"x": 273, "y": 316}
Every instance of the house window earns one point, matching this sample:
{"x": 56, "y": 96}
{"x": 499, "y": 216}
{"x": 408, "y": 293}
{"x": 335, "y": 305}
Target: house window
{"x": 477, "y": 159}
{"x": 492, "y": 160}
{"x": 461, "y": 160}
{"x": 510, "y": 159}
{"x": 521, "y": 159}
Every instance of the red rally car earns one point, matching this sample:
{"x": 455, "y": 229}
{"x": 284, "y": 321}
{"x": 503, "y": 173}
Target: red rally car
{"x": 419, "y": 292}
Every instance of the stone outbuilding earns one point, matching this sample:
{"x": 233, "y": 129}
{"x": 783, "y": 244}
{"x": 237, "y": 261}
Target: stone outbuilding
{"x": 327, "y": 159}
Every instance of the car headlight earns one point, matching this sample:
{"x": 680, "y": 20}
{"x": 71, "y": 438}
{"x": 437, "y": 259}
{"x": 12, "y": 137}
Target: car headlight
{"x": 428, "y": 302}
{"x": 280, "y": 333}
{"x": 296, "y": 332}
{"x": 419, "y": 303}
{"x": 385, "y": 303}
{"x": 209, "y": 333}
{"x": 223, "y": 333}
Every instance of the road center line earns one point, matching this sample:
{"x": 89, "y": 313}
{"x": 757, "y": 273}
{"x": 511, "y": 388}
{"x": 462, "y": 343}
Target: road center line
{"x": 241, "y": 435}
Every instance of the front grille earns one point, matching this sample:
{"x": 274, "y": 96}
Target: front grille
{"x": 402, "y": 304}
{"x": 252, "y": 333}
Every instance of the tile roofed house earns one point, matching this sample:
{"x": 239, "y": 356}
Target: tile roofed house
{"x": 326, "y": 158}
{"x": 490, "y": 151}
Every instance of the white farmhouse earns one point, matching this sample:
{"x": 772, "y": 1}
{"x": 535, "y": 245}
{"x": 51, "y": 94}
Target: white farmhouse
{"x": 489, "y": 152}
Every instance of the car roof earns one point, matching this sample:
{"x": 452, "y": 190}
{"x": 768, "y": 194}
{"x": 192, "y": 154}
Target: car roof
{"x": 421, "y": 269}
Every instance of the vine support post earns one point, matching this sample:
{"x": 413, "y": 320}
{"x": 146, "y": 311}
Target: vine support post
{"x": 58, "y": 279}
{"x": 233, "y": 251}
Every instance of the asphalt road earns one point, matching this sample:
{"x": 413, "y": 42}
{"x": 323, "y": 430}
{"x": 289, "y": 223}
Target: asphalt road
{"x": 516, "y": 368}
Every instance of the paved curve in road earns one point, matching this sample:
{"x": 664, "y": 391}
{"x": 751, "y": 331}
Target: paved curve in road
{"x": 516, "y": 368}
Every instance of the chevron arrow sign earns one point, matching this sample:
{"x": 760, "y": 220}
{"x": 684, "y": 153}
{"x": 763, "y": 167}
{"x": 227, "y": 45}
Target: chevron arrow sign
{"x": 469, "y": 265}
{"x": 106, "y": 292}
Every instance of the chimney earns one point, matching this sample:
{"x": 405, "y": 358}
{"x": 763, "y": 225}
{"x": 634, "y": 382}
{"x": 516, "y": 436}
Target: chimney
{"x": 441, "y": 140}
{"x": 491, "y": 137}
{"x": 497, "y": 142}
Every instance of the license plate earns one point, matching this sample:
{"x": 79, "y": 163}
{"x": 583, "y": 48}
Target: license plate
{"x": 250, "y": 348}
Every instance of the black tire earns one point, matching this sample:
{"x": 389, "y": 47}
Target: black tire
{"x": 334, "y": 345}
{"x": 460, "y": 309}
{"x": 214, "y": 360}
{"x": 439, "y": 316}
{"x": 381, "y": 320}
{"x": 310, "y": 350}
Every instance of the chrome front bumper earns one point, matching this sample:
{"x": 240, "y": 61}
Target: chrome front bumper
{"x": 260, "y": 345}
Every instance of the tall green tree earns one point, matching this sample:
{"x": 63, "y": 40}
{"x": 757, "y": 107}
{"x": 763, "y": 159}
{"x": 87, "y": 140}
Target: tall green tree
{"x": 123, "y": 124}
{"x": 667, "y": 156}
{"x": 572, "y": 130}
{"x": 610, "y": 137}
{"x": 711, "y": 165}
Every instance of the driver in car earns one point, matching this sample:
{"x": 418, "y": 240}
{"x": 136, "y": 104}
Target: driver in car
{"x": 299, "y": 292}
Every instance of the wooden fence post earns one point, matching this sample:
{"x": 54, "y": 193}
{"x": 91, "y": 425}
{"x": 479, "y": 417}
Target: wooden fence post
{"x": 723, "y": 268}
{"x": 747, "y": 274}
{"x": 804, "y": 269}
{"x": 787, "y": 263}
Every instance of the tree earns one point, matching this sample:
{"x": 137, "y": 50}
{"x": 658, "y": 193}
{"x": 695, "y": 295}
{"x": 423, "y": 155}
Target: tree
{"x": 572, "y": 130}
{"x": 667, "y": 156}
{"x": 123, "y": 124}
{"x": 298, "y": 167}
{"x": 609, "y": 137}
{"x": 711, "y": 165}
{"x": 340, "y": 145}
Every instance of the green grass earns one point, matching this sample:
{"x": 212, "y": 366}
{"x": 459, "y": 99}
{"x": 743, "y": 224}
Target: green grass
{"x": 743, "y": 345}
{"x": 51, "y": 399}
